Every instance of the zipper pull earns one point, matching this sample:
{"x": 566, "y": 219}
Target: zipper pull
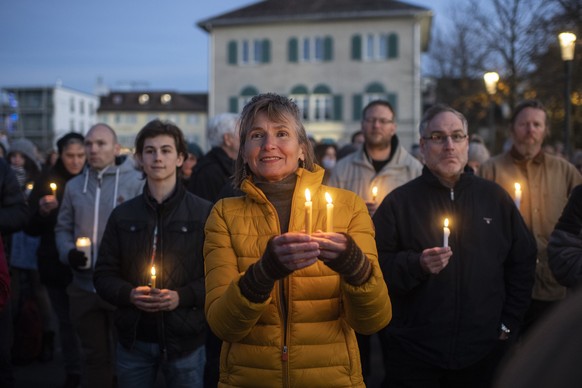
{"x": 452, "y": 194}
{"x": 284, "y": 355}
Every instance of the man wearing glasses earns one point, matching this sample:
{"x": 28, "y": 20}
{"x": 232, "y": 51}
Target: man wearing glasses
{"x": 381, "y": 163}
{"x": 458, "y": 288}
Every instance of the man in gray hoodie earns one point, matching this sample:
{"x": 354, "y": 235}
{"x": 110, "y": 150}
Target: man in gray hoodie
{"x": 89, "y": 198}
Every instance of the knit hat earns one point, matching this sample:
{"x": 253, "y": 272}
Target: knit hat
{"x": 195, "y": 150}
{"x": 64, "y": 141}
{"x": 25, "y": 147}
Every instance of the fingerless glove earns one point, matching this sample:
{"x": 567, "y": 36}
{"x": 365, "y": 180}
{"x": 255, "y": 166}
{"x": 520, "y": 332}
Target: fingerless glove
{"x": 259, "y": 279}
{"x": 352, "y": 264}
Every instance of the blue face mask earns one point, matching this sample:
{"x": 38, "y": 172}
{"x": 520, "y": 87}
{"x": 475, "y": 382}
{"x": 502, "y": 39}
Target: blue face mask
{"x": 328, "y": 163}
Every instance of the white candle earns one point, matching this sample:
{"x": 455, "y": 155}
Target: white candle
{"x": 83, "y": 244}
{"x": 446, "y": 233}
{"x": 374, "y": 193}
{"x": 153, "y": 277}
{"x": 329, "y": 223}
{"x": 54, "y": 189}
{"x": 517, "y": 197}
{"x": 308, "y": 211}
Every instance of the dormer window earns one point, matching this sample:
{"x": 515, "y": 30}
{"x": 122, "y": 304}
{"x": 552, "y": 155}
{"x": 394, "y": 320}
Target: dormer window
{"x": 166, "y": 99}
{"x": 143, "y": 99}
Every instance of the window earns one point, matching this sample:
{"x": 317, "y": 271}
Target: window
{"x": 300, "y": 94}
{"x": 82, "y": 107}
{"x": 310, "y": 49}
{"x": 72, "y": 104}
{"x": 249, "y": 52}
{"x": 320, "y": 105}
{"x": 236, "y": 103}
{"x": 375, "y": 46}
{"x": 143, "y": 99}
{"x": 245, "y": 52}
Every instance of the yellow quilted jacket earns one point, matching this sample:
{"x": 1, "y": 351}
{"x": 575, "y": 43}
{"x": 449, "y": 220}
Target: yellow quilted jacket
{"x": 306, "y": 340}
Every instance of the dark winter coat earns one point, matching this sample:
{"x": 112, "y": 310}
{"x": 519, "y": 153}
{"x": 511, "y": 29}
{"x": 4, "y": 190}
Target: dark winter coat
{"x": 52, "y": 272}
{"x": 211, "y": 173}
{"x": 453, "y": 319}
{"x": 124, "y": 263}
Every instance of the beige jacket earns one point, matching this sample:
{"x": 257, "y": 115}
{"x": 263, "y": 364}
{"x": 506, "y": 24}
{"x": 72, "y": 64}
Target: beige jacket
{"x": 546, "y": 182}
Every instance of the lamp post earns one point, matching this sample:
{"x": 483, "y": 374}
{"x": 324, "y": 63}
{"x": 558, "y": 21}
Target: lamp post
{"x": 567, "y": 43}
{"x": 491, "y": 79}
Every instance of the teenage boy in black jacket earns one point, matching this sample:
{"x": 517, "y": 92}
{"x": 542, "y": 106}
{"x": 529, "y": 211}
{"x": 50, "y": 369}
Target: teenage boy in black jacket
{"x": 160, "y": 316}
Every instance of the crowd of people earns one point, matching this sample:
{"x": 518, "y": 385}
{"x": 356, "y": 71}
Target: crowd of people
{"x": 275, "y": 260}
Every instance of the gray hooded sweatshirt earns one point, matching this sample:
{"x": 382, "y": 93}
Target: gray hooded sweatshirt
{"x": 87, "y": 203}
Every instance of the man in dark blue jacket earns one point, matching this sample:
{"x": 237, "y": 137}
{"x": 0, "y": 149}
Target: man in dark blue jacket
{"x": 151, "y": 267}
{"x": 458, "y": 292}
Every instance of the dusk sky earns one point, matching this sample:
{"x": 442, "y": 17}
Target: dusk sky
{"x": 150, "y": 44}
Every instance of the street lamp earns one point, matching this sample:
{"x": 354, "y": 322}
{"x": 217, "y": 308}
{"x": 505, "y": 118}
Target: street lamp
{"x": 491, "y": 79}
{"x": 567, "y": 43}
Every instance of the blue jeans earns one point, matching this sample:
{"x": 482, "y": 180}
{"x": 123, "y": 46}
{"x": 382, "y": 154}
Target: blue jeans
{"x": 139, "y": 367}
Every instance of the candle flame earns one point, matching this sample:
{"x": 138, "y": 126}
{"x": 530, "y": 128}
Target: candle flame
{"x": 153, "y": 270}
{"x": 307, "y": 195}
{"x": 29, "y": 186}
{"x": 328, "y": 197}
{"x": 375, "y": 191}
{"x": 53, "y": 186}
{"x": 446, "y": 222}
{"x": 517, "y": 187}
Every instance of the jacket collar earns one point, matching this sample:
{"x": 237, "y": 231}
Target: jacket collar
{"x": 517, "y": 157}
{"x": 169, "y": 203}
{"x": 466, "y": 177}
{"x": 305, "y": 180}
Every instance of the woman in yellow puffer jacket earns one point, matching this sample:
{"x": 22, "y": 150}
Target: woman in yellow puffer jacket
{"x": 286, "y": 298}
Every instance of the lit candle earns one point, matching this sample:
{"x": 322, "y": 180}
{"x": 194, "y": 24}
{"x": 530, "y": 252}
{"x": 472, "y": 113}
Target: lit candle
{"x": 446, "y": 233}
{"x": 153, "y": 278}
{"x": 308, "y": 211}
{"x": 517, "y": 195}
{"x": 329, "y": 224}
{"x": 83, "y": 244}
{"x": 374, "y": 193}
{"x": 54, "y": 189}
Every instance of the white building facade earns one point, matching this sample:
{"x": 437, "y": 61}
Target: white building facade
{"x": 331, "y": 57}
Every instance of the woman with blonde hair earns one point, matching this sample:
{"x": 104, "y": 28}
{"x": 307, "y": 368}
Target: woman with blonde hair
{"x": 285, "y": 296}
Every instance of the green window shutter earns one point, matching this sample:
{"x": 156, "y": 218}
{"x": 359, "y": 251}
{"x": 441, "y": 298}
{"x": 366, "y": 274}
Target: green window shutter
{"x": 337, "y": 107}
{"x": 233, "y": 105}
{"x": 358, "y": 106}
{"x": 393, "y": 46}
{"x": 328, "y": 49}
{"x": 232, "y": 50}
{"x": 266, "y": 51}
{"x": 293, "y": 53}
{"x": 393, "y": 100}
{"x": 356, "y": 47}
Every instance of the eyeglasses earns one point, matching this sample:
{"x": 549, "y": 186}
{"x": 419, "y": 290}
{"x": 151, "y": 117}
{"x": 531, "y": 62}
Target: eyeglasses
{"x": 439, "y": 138}
{"x": 380, "y": 121}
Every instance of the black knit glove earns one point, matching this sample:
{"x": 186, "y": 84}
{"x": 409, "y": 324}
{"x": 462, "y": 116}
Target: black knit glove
{"x": 77, "y": 259}
{"x": 260, "y": 277}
